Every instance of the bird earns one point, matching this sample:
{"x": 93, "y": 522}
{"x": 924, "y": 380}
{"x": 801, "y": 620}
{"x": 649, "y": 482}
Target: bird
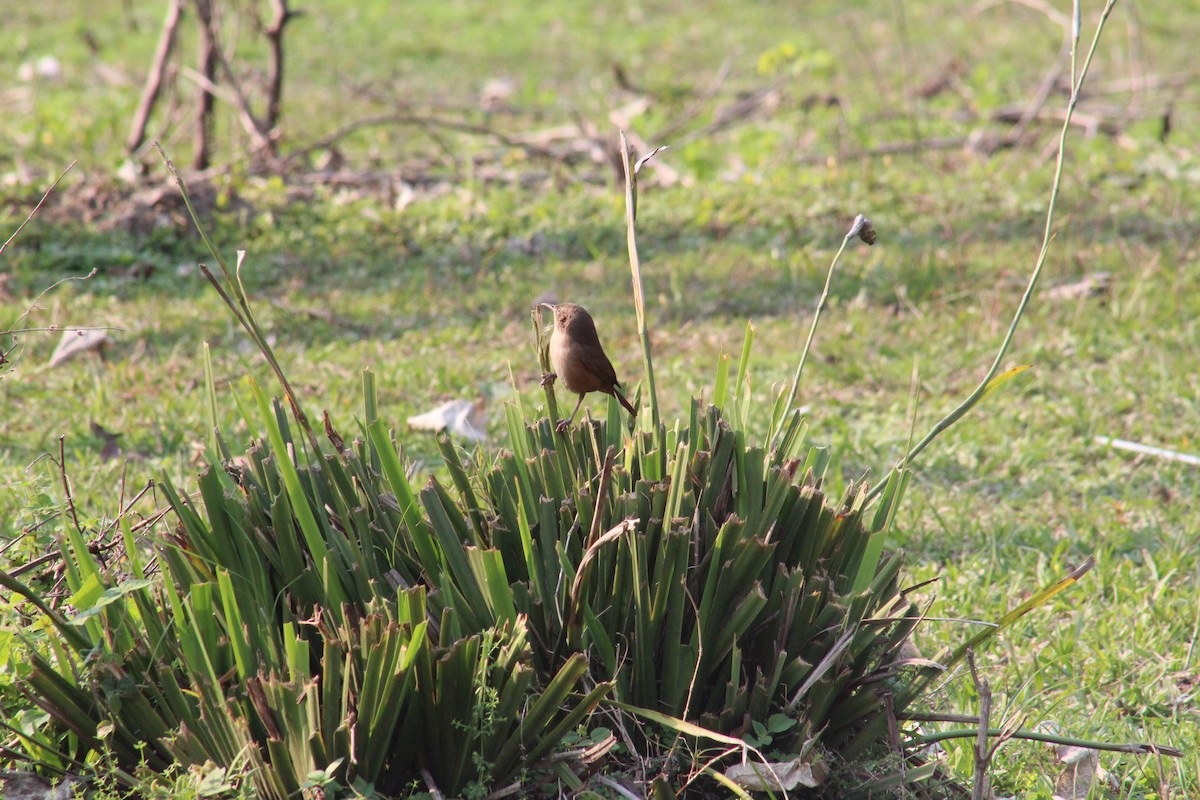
{"x": 579, "y": 359}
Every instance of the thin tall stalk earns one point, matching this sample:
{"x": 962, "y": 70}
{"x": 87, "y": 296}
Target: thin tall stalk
{"x": 235, "y": 297}
{"x": 855, "y": 230}
{"x": 1077, "y": 79}
{"x": 635, "y": 268}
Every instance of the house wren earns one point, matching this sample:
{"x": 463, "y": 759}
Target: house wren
{"x": 578, "y": 358}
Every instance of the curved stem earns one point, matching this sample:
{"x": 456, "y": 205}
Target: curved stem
{"x": 1037, "y": 736}
{"x": 812, "y": 330}
{"x": 1047, "y": 236}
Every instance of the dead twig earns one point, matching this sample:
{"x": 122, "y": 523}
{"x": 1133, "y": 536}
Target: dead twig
{"x": 1143, "y": 84}
{"x": 324, "y": 315}
{"x": 274, "y": 33}
{"x": 66, "y": 483}
{"x": 696, "y": 107}
{"x": 1041, "y": 6}
{"x": 16, "y": 342}
{"x": 17, "y": 572}
{"x": 125, "y": 508}
{"x": 423, "y": 120}
{"x": 1013, "y": 138}
{"x": 154, "y": 79}
{"x": 258, "y": 133}
{"x": 981, "y": 785}
{"x": 430, "y": 785}
{"x": 1091, "y": 123}
{"x": 1136, "y": 748}
{"x": 33, "y": 213}
{"x": 66, "y": 328}
{"x": 207, "y": 68}
{"x": 740, "y": 110}
{"x": 891, "y": 148}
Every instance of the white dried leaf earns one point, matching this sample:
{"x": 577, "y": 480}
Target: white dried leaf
{"x": 460, "y": 417}
{"x": 641, "y": 162}
{"x": 777, "y": 776}
{"x": 74, "y": 342}
{"x": 1081, "y": 769}
{"x": 1096, "y": 284}
{"x": 496, "y": 92}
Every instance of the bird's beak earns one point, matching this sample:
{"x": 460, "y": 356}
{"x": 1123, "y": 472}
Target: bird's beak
{"x": 546, "y": 305}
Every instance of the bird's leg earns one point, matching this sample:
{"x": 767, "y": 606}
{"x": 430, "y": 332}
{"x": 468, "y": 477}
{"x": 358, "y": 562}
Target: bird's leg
{"x": 549, "y": 378}
{"x": 562, "y": 425}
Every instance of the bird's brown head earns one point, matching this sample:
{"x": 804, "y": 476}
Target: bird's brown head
{"x": 574, "y": 320}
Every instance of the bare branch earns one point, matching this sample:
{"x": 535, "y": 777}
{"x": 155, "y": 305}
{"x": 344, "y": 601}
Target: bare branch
{"x": 981, "y": 786}
{"x": 38, "y": 207}
{"x": 207, "y": 67}
{"x": 154, "y": 80}
{"x": 274, "y": 32}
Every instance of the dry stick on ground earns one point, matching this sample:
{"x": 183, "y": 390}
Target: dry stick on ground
{"x": 695, "y": 108}
{"x": 324, "y": 315}
{"x": 735, "y": 113}
{"x": 1013, "y": 137}
{"x": 154, "y": 80}
{"x": 1020, "y": 117}
{"x": 1142, "y": 84}
{"x": 427, "y": 121}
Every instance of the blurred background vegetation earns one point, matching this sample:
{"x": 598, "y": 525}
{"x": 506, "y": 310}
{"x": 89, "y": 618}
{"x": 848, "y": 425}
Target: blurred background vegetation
{"x": 415, "y": 244}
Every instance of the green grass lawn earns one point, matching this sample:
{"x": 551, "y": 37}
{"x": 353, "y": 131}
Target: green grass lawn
{"x": 434, "y": 296}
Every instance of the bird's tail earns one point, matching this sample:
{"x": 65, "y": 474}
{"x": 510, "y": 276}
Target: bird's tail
{"x": 632, "y": 411}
